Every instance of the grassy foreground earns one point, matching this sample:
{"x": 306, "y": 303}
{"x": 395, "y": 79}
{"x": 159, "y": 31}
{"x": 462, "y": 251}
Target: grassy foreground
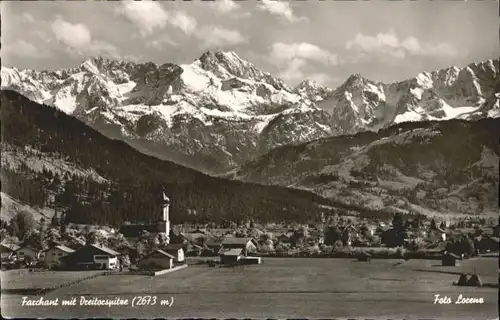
{"x": 284, "y": 288}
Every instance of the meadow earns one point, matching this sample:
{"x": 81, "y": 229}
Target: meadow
{"x": 21, "y": 280}
{"x": 282, "y": 287}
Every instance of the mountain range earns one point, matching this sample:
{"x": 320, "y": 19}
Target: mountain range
{"x": 220, "y": 111}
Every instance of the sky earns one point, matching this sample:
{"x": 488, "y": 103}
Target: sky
{"x": 325, "y": 41}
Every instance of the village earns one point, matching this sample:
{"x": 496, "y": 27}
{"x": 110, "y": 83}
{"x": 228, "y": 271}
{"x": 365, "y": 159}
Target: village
{"x": 157, "y": 246}
{"x": 52, "y": 259}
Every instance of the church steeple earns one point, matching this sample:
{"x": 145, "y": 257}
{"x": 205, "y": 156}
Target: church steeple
{"x": 166, "y": 207}
{"x": 164, "y": 223}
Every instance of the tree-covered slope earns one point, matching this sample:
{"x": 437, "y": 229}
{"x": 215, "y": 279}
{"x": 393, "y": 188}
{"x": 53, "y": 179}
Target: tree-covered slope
{"x": 55, "y": 160}
{"x": 446, "y": 166}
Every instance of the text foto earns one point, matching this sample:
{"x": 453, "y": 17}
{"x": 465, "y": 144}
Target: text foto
{"x": 460, "y": 300}
{"x": 137, "y": 301}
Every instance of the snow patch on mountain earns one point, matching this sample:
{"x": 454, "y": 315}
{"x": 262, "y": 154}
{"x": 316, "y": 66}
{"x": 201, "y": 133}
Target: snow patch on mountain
{"x": 417, "y": 92}
{"x": 378, "y": 91}
{"x": 125, "y": 88}
{"x": 449, "y": 113}
{"x": 188, "y": 107}
{"x": 263, "y": 122}
{"x": 65, "y": 101}
{"x": 455, "y": 112}
{"x": 424, "y": 80}
{"x": 195, "y": 78}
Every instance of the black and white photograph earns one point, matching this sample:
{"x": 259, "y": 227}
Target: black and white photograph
{"x": 259, "y": 159}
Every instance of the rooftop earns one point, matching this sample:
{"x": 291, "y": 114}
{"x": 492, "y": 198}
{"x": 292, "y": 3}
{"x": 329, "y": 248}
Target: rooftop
{"x": 107, "y": 250}
{"x": 235, "y": 241}
{"x": 62, "y": 248}
{"x": 173, "y": 246}
{"x": 231, "y": 252}
{"x": 163, "y": 253}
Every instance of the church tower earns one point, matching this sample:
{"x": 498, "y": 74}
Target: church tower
{"x": 164, "y": 223}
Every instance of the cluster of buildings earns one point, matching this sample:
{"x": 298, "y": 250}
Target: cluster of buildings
{"x": 90, "y": 256}
{"x": 93, "y": 256}
{"x": 231, "y": 246}
{"x": 230, "y": 249}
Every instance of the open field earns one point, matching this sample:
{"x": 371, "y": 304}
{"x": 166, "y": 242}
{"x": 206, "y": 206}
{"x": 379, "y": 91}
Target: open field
{"x": 487, "y": 268}
{"x": 282, "y": 287}
{"x": 23, "y": 280}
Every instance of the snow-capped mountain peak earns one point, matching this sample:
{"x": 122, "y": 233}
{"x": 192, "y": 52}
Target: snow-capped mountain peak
{"x": 355, "y": 80}
{"x": 89, "y": 66}
{"x": 312, "y": 90}
{"x": 309, "y": 84}
{"x": 466, "y": 93}
{"x": 220, "y": 110}
{"x": 228, "y": 64}
{"x": 424, "y": 80}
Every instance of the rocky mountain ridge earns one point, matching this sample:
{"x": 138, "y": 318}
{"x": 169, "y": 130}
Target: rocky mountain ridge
{"x": 221, "y": 111}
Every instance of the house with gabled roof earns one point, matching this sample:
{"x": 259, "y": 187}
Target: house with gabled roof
{"x": 27, "y": 250}
{"x": 91, "y": 257}
{"x": 158, "y": 259}
{"x": 248, "y": 245}
{"x": 176, "y": 250}
{"x": 53, "y": 254}
{"x": 130, "y": 251}
{"x": 230, "y": 256}
{"x": 192, "y": 237}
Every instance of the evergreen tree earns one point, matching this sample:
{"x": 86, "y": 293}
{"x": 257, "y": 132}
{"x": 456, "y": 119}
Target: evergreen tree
{"x": 25, "y": 222}
{"x": 3, "y": 224}
{"x": 433, "y": 224}
{"x": 332, "y": 235}
{"x": 397, "y": 222}
{"x": 13, "y": 228}
{"x": 42, "y": 231}
{"x": 62, "y": 229}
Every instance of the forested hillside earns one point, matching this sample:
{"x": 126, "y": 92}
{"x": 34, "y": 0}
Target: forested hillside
{"x": 56, "y": 160}
{"x": 433, "y": 166}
